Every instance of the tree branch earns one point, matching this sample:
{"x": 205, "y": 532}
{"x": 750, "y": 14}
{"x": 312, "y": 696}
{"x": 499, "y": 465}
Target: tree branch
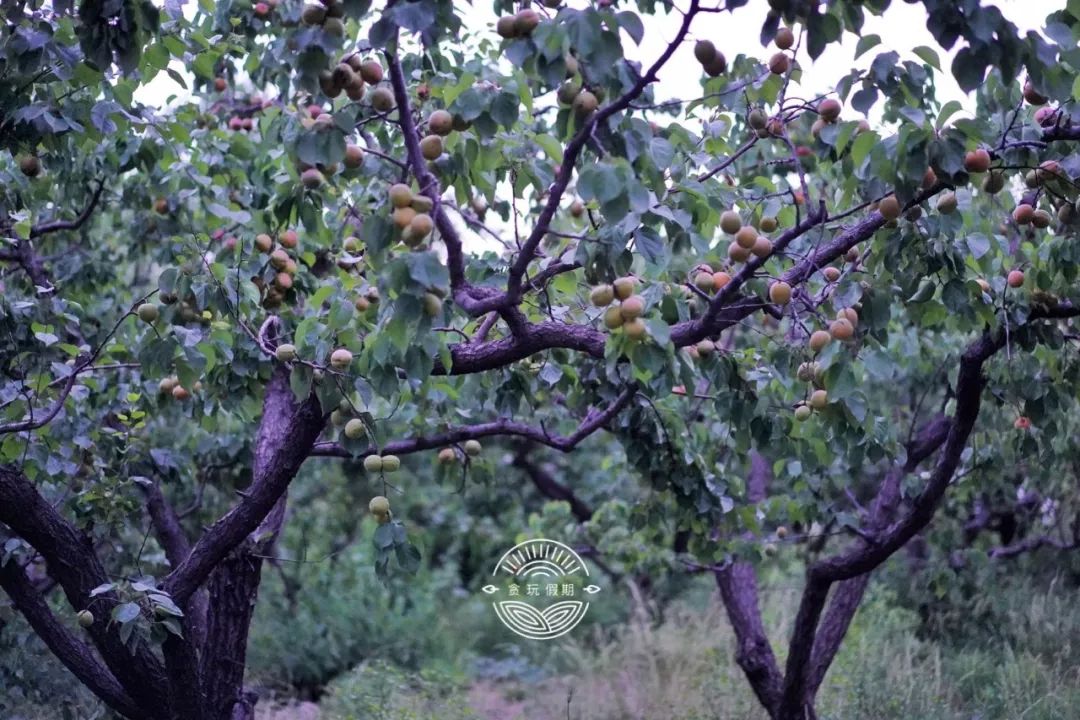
{"x": 1031, "y": 545}
{"x": 593, "y": 421}
{"x": 76, "y": 656}
{"x": 549, "y": 487}
{"x": 57, "y": 225}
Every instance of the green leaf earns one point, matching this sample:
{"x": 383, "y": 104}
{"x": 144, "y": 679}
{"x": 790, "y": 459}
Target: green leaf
{"x": 928, "y": 56}
{"x": 947, "y": 110}
{"x": 125, "y": 612}
{"x": 866, "y": 42}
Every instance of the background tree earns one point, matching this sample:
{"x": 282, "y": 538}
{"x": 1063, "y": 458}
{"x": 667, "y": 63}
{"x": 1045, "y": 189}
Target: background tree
{"x": 789, "y": 319}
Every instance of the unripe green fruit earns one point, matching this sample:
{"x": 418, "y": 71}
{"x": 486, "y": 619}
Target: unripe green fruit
{"x": 585, "y": 102}
{"x": 378, "y": 505}
{"x": 757, "y": 119}
{"x": 624, "y": 287}
{"x": 432, "y": 305}
{"x": 86, "y": 618}
{"x": 768, "y": 224}
{"x": 819, "y": 399}
{"x": 382, "y": 100}
{"x": 341, "y": 359}
{"x": 730, "y": 222}
{"x": 148, "y": 312}
{"x": 994, "y": 182}
{"x": 819, "y": 339}
{"x": 312, "y": 179}
{"x": 635, "y": 328}
{"x": 889, "y": 207}
{"x": 431, "y": 147}
{"x": 613, "y": 318}
{"x": 334, "y": 26}
{"x": 447, "y": 456}
{"x": 354, "y": 429}
{"x": 602, "y": 295}
{"x": 391, "y": 463}
{"x": 373, "y": 463}
{"x": 441, "y": 122}
{"x": 803, "y": 412}
{"x": 947, "y": 203}
{"x": 704, "y": 281}
{"x": 473, "y": 447}
{"x": 705, "y": 347}
{"x": 285, "y": 352}
{"x": 780, "y": 293}
{"x": 770, "y": 550}
{"x": 338, "y": 418}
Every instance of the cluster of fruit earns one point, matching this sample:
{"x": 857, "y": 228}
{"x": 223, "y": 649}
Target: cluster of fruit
{"x": 811, "y": 372}
{"x": 411, "y": 214}
{"x": 281, "y": 262}
{"x": 171, "y": 387}
{"x": 329, "y": 14}
{"x": 447, "y": 456}
{"x": 627, "y": 314}
{"x": 350, "y": 75}
{"x": 747, "y": 241}
{"x": 520, "y": 24}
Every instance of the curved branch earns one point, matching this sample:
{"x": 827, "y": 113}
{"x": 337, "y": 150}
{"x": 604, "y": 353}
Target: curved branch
{"x": 75, "y": 224}
{"x": 594, "y": 420}
{"x": 1031, "y": 545}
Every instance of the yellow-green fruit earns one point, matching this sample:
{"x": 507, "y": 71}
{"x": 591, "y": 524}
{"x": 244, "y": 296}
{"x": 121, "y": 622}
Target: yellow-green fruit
{"x": 422, "y": 225}
{"x": 373, "y": 463}
{"x": 585, "y": 102}
{"x": 354, "y": 429}
{"x": 341, "y": 359}
{"x": 849, "y": 314}
{"x": 841, "y": 329}
{"x": 263, "y": 243}
{"x": 362, "y": 304}
{"x": 781, "y": 532}
{"x": 86, "y": 618}
{"x": 768, "y": 224}
{"x": 780, "y": 292}
{"x": 1041, "y": 219}
{"x": 602, "y": 295}
{"x": 819, "y": 399}
{"x": 441, "y": 122}
{"x": 704, "y": 281}
{"x": 757, "y": 119}
{"x": 382, "y": 100}
{"x": 635, "y": 329}
{"x": 351, "y": 245}
{"x": 421, "y": 204}
{"x": 994, "y": 182}
{"x": 473, "y": 447}
{"x": 371, "y": 71}
{"x": 803, "y": 412}
{"x": 334, "y": 26}
{"x": 400, "y": 195}
{"x": 807, "y": 371}
{"x": 431, "y": 147}
{"x": 432, "y": 305}
{"x": 285, "y": 352}
{"x": 313, "y": 14}
{"x": 947, "y": 203}
{"x": 819, "y": 339}
{"x": 447, "y": 456}
{"x": 746, "y": 237}
{"x": 391, "y": 463}
{"x": 167, "y": 384}
{"x": 832, "y": 274}
{"x": 148, "y": 312}
{"x": 705, "y": 347}
{"x": 730, "y": 222}
{"x": 889, "y": 207}
{"x": 613, "y": 317}
{"x": 378, "y": 505}
{"x": 338, "y": 418}
{"x": 738, "y": 253}
{"x": 632, "y": 307}
{"x": 624, "y": 287}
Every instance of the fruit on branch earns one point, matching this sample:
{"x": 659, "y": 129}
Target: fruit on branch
{"x": 781, "y": 532}
{"x": 779, "y": 64}
{"x": 85, "y": 618}
{"x": 525, "y": 21}
{"x": 400, "y": 195}
{"x": 473, "y": 448}
{"x": 829, "y": 110}
{"x": 1023, "y": 214}
{"x": 780, "y": 293}
{"x": 768, "y": 224}
{"x": 285, "y": 352}
{"x": 382, "y": 100}
{"x": 340, "y": 359}
{"x": 889, "y": 207}
{"x": 1015, "y": 278}
{"x": 447, "y": 456}
{"x": 279, "y": 259}
{"x": 746, "y": 236}
{"x": 624, "y": 286}
{"x": 994, "y": 182}
{"x": 635, "y": 329}
{"x": 704, "y": 51}
{"x": 632, "y": 307}
{"x": 403, "y": 217}
{"x": 770, "y": 549}
{"x": 1041, "y": 219}
{"x": 762, "y": 247}
{"x": 431, "y": 147}
{"x": 730, "y": 222}
{"x": 1032, "y": 95}
{"x": 613, "y": 318}
{"x": 703, "y": 281}
{"x": 841, "y": 329}
{"x": 785, "y": 38}
{"x": 179, "y": 392}
{"x": 602, "y": 295}
{"x": 371, "y": 71}
{"x": 849, "y": 314}
{"x": 977, "y": 161}
{"x": 354, "y": 429}
{"x": 378, "y": 506}
{"x": 165, "y": 385}
{"x": 803, "y": 412}
{"x": 288, "y": 239}
{"x": 506, "y": 27}
{"x": 441, "y": 122}
{"x": 808, "y": 371}
{"x": 819, "y": 339}
{"x": 947, "y": 203}
{"x": 148, "y": 312}
{"x": 311, "y": 178}
{"x": 354, "y": 156}
{"x": 161, "y": 206}
{"x": 585, "y": 103}
{"x": 737, "y": 253}
{"x": 819, "y": 399}
{"x": 984, "y": 285}
{"x": 433, "y": 305}
{"x": 720, "y": 279}
{"x": 373, "y": 463}
{"x": 391, "y": 463}
{"x": 30, "y": 166}
{"x": 313, "y": 14}
{"x": 334, "y": 26}
{"x": 775, "y": 127}
{"x": 577, "y": 208}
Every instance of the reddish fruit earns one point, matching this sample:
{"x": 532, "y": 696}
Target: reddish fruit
{"x": 220, "y": 84}
{"x": 977, "y": 161}
{"x": 1016, "y": 278}
{"x": 1022, "y": 423}
{"x": 1023, "y": 214}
